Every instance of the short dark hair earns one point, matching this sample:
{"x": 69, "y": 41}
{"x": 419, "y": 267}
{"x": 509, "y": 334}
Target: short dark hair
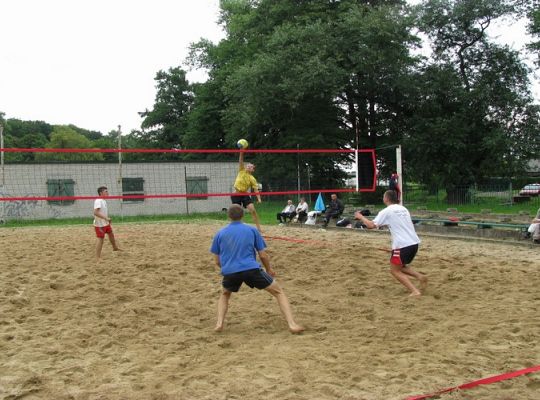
{"x": 101, "y": 189}
{"x": 235, "y": 212}
{"x": 391, "y": 195}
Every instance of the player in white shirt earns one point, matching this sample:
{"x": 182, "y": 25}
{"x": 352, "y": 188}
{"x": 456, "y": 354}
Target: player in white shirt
{"x": 404, "y": 240}
{"x": 102, "y": 222}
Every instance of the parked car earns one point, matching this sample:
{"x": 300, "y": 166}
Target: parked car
{"x": 530, "y": 190}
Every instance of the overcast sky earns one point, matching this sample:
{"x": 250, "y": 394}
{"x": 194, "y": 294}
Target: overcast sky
{"x": 93, "y": 63}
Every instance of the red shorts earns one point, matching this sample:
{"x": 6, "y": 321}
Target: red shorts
{"x": 102, "y": 230}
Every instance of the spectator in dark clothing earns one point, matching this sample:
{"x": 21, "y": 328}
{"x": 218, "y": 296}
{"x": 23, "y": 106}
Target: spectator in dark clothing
{"x": 394, "y": 185}
{"x": 334, "y": 210}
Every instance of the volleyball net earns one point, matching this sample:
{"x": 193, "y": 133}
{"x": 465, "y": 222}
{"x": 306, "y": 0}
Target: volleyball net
{"x": 61, "y": 183}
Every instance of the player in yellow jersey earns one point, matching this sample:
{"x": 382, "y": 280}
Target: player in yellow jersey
{"x": 245, "y": 182}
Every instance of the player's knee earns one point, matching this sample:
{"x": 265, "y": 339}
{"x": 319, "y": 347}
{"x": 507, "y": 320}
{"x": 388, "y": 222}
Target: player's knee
{"x": 274, "y": 289}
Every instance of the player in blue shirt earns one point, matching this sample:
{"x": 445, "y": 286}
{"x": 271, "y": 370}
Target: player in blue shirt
{"x": 235, "y": 249}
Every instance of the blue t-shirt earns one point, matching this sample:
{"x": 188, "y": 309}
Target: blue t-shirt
{"x": 237, "y": 245}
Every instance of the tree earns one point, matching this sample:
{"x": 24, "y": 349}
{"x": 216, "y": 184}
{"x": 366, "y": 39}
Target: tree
{"x": 65, "y": 137}
{"x": 309, "y": 73}
{"x": 533, "y": 12}
{"x": 164, "y": 125}
{"x": 474, "y": 111}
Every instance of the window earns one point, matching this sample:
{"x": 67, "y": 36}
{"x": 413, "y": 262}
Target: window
{"x": 132, "y": 186}
{"x": 197, "y": 185}
{"x": 60, "y": 188}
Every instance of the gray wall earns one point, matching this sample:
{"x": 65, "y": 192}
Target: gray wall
{"x": 30, "y": 180}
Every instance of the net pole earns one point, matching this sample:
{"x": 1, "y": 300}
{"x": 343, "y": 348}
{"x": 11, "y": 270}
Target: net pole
{"x": 2, "y": 153}
{"x": 2, "y": 162}
{"x": 298, "y": 171}
{"x": 120, "y": 169}
{"x": 186, "y": 185}
{"x": 309, "y": 181}
{"x": 399, "y": 171}
{"x": 357, "y": 172}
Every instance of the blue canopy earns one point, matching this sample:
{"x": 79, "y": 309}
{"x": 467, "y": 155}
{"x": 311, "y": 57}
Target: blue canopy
{"x": 319, "y": 204}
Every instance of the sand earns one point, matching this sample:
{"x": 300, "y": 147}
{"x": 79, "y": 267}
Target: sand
{"x": 139, "y": 325}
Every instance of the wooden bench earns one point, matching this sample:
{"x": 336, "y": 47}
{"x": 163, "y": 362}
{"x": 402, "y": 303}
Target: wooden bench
{"x": 479, "y": 224}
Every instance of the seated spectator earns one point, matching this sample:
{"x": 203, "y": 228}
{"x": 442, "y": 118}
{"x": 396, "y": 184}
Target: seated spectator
{"x": 334, "y": 209}
{"x": 288, "y": 212}
{"x": 301, "y": 210}
{"x": 534, "y": 228}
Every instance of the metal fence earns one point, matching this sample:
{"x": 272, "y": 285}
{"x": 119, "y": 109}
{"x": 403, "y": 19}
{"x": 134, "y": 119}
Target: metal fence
{"x": 487, "y": 196}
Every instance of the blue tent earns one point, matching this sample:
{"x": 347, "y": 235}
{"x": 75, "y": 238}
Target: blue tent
{"x": 319, "y": 204}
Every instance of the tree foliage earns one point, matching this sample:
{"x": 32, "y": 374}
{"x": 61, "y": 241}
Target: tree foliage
{"x": 533, "y": 13}
{"x": 346, "y": 74}
{"x": 65, "y": 137}
{"x": 164, "y": 125}
{"x": 473, "y": 112}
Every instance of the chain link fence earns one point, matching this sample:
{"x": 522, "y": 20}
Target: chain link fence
{"x": 486, "y": 196}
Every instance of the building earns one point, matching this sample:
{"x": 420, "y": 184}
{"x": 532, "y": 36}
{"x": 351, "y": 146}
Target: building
{"x": 172, "y": 187}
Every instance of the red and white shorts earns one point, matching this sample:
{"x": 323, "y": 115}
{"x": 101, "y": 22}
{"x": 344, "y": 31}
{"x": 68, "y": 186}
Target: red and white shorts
{"x": 404, "y": 255}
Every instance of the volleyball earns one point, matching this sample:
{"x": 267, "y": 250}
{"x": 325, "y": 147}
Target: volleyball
{"x": 242, "y": 144}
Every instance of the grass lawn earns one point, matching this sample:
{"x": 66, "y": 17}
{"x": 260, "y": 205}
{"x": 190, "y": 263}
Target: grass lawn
{"x": 267, "y": 211}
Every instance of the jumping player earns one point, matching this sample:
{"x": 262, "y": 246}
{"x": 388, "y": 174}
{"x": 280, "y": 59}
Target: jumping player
{"x": 235, "y": 248}
{"x": 244, "y": 183}
{"x": 404, "y": 240}
{"x": 102, "y": 222}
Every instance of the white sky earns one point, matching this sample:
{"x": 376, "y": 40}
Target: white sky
{"x": 93, "y": 63}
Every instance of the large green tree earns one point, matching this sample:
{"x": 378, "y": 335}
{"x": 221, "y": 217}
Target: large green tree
{"x": 473, "y": 116}
{"x": 164, "y": 125}
{"x": 314, "y": 74}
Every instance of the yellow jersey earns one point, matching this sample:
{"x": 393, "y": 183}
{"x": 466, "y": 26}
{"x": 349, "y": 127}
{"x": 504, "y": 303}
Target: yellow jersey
{"x": 245, "y": 181}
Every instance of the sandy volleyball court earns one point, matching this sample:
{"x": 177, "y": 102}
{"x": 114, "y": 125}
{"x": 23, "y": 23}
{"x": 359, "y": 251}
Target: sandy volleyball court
{"x": 140, "y": 324}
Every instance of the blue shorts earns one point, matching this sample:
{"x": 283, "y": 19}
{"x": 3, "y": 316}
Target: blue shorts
{"x": 257, "y": 278}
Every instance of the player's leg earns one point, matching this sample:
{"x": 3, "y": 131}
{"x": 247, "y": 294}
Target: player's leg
{"x": 223, "y": 306}
{"x": 100, "y": 234}
{"x": 112, "y": 239}
{"x": 99, "y": 246}
{"x": 406, "y": 256}
{"x": 275, "y": 290}
{"x": 251, "y": 208}
{"x": 397, "y": 272}
{"x": 421, "y": 277}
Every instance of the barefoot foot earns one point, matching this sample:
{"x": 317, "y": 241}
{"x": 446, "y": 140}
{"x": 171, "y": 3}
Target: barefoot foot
{"x": 296, "y": 329}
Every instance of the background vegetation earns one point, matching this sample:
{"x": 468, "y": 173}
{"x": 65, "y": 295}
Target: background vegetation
{"x": 342, "y": 74}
